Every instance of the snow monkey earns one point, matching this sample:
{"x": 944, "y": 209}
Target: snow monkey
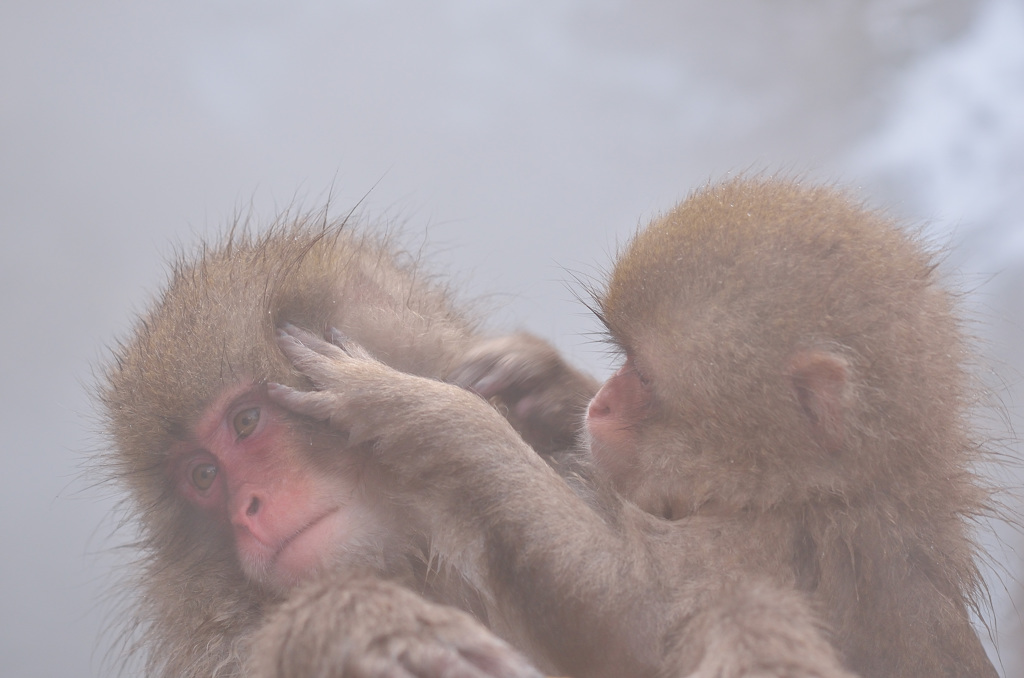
{"x": 794, "y": 366}
{"x": 243, "y": 507}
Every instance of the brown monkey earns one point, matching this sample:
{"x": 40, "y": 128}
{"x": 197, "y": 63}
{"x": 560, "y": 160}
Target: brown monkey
{"x": 793, "y": 406}
{"x": 241, "y": 505}
{"x": 793, "y": 361}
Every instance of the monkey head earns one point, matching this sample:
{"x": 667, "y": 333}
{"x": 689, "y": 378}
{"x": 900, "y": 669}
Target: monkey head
{"x": 220, "y": 476}
{"x": 778, "y": 341}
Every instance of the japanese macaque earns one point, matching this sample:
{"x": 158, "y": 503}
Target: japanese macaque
{"x": 789, "y": 433}
{"x": 245, "y": 511}
{"x": 795, "y": 370}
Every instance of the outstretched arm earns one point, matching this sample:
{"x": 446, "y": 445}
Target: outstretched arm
{"x": 612, "y": 593}
{"x": 492, "y": 506}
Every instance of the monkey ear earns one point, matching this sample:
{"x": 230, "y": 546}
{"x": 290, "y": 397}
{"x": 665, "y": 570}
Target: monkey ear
{"x": 819, "y": 380}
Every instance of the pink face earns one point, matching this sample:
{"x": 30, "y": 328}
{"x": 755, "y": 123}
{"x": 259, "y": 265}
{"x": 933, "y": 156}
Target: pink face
{"x": 621, "y": 403}
{"x": 243, "y": 466}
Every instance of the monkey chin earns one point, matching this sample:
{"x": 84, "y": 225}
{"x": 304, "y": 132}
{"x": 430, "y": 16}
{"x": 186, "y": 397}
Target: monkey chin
{"x": 301, "y": 555}
{"x": 612, "y": 447}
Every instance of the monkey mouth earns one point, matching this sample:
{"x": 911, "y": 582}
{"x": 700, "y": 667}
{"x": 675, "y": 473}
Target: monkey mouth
{"x": 302, "y": 552}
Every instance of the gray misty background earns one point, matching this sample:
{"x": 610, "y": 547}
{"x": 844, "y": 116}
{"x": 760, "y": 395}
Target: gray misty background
{"x": 517, "y": 142}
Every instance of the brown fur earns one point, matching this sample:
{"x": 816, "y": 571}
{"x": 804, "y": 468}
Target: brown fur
{"x": 809, "y": 378}
{"x": 775, "y": 519}
{"x": 213, "y": 326}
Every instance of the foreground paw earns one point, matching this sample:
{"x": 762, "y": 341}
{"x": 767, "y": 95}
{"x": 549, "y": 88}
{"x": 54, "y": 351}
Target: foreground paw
{"x": 330, "y": 364}
{"x": 368, "y": 401}
{"x": 350, "y": 386}
{"x": 375, "y": 629}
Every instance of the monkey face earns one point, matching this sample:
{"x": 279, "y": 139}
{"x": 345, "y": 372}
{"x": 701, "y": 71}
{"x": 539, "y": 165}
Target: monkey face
{"x": 612, "y": 418}
{"x": 244, "y": 467}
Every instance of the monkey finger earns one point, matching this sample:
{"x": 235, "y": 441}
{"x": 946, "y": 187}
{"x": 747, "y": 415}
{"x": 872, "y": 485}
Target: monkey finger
{"x": 499, "y": 662}
{"x": 437, "y": 661}
{"x": 327, "y": 365}
{"x": 473, "y": 655}
{"x": 312, "y": 342}
{"x": 327, "y": 406}
{"x": 321, "y": 405}
{"x": 323, "y": 372}
{"x": 336, "y": 337}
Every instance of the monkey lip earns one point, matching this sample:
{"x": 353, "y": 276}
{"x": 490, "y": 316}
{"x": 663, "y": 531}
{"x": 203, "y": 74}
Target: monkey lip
{"x": 305, "y": 550}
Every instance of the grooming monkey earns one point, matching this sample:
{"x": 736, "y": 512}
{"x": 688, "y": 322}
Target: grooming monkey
{"x": 790, "y": 431}
{"x": 242, "y": 507}
{"x": 809, "y": 371}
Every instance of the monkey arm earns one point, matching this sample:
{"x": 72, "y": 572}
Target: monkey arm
{"x": 363, "y": 627}
{"x": 600, "y": 592}
{"x": 532, "y": 385}
{"x": 565, "y": 580}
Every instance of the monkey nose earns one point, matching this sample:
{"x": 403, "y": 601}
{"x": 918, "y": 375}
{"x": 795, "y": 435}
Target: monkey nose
{"x": 598, "y": 407}
{"x": 247, "y": 515}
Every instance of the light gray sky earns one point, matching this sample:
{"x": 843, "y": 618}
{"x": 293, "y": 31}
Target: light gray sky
{"x": 520, "y": 141}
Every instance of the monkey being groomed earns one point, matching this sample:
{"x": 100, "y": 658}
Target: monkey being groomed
{"x": 790, "y": 435}
{"x": 243, "y": 508}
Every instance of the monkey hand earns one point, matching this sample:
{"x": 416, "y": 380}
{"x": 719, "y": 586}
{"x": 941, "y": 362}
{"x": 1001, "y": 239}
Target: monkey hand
{"x": 391, "y": 411}
{"x": 368, "y": 628}
{"x": 540, "y": 394}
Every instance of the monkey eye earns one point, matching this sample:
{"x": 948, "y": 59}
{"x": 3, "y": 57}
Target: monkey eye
{"x": 245, "y": 422}
{"x": 203, "y": 475}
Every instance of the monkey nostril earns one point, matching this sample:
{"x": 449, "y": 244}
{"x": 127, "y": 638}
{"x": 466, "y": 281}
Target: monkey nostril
{"x": 253, "y": 508}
